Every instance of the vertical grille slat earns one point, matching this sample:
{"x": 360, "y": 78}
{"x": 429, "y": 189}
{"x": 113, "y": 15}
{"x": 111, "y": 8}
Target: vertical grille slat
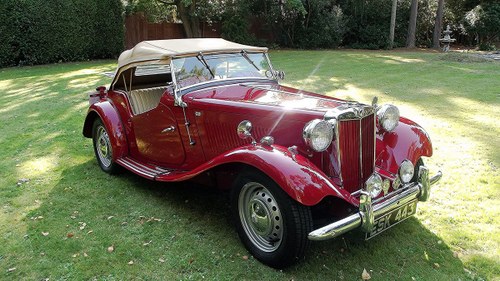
{"x": 357, "y": 151}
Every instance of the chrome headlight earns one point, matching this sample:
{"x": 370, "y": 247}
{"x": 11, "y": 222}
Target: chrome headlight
{"x": 388, "y": 117}
{"x": 374, "y": 185}
{"x": 318, "y": 134}
{"x": 406, "y": 171}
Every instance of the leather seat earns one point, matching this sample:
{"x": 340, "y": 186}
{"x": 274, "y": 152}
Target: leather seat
{"x": 143, "y": 100}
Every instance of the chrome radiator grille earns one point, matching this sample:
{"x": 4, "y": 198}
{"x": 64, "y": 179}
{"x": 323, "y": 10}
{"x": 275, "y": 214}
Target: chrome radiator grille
{"x": 357, "y": 151}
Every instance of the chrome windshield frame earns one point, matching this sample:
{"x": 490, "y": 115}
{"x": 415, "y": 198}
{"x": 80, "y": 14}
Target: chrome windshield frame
{"x": 179, "y": 92}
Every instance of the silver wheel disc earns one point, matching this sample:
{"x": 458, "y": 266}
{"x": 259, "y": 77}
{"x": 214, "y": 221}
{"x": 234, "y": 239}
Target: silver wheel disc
{"x": 103, "y": 146}
{"x": 260, "y": 217}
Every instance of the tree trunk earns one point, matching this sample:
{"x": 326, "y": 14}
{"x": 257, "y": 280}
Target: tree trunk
{"x": 190, "y": 23}
{"x": 438, "y": 26}
{"x": 393, "y": 23}
{"x": 412, "y": 27}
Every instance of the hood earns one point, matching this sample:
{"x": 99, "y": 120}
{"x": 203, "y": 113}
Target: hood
{"x": 271, "y": 94}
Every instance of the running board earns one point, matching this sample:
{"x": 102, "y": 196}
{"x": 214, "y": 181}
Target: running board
{"x": 144, "y": 170}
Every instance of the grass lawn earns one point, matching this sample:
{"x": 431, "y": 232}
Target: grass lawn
{"x": 62, "y": 218}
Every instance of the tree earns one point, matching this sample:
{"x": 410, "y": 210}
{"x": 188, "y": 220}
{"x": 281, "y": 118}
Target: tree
{"x": 393, "y": 23}
{"x": 193, "y": 12}
{"x": 438, "y": 26}
{"x": 412, "y": 27}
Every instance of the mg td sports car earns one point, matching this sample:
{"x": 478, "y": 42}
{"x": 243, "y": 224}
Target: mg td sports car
{"x": 300, "y": 166}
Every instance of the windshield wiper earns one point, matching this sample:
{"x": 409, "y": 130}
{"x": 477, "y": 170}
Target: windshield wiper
{"x": 244, "y": 54}
{"x": 204, "y": 62}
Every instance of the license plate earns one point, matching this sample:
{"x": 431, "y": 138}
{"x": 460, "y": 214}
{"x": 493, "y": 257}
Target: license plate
{"x": 392, "y": 218}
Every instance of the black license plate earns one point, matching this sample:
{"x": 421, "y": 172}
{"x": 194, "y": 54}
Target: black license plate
{"x": 392, "y": 218}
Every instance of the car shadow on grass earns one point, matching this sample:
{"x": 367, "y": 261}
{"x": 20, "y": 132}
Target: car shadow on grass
{"x": 173, "y": 231}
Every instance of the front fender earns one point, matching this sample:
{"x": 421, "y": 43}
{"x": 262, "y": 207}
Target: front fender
{"x": 296, "y": 175}
{"x": 407, "y": 141}
{"x": 109, "y": 116}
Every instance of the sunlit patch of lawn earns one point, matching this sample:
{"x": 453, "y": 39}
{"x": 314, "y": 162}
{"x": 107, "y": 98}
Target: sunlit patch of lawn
{"x": 59, "y": 213}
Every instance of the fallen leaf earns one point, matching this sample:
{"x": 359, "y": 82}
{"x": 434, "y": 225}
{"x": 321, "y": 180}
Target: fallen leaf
{"x": 42, "y": 254}
{"x": 21, "y": 181}
{"x": 110, "y": 217}
{"x": 85, "y": 254}
{"x": 130, "y": 262}
{"x": 73, "y": 217}
{"x": 111, "y": 248}
{"x": 69, "y": 235}
{"x": 365, "y": 275}
{"x": 161, "y": 260}
{"x": 147, "y": 243}
{"x": 436, "y": 265}
{"x": 245, "y": 257}
{"x": 11, "y": 269}
{"x": 90, "y": 232}
{"x": 75, "y": 255}
{"x": 45, "y": 233}
{"x": 124, "y": 223}
{"x": 82, "y": 225}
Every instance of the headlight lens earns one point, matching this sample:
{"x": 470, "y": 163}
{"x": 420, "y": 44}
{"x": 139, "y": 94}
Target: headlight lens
{"x": 406, "y": 171}
{"x": 388, "y": 117}
{"x": 374, "y": 185}
{"x": 318, "y": 134}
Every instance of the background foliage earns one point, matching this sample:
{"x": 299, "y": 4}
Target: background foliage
{"x": 39, "y": 31}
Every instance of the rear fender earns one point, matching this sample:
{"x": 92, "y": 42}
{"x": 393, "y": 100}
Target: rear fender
{"x": 109, "y": 116}
{"x": 407, "y": 141}
{"x": 295, "y": 174}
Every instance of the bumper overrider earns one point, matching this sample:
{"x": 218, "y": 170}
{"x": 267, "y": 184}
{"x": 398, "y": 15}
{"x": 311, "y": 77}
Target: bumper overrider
{"x": 365, "y": 218}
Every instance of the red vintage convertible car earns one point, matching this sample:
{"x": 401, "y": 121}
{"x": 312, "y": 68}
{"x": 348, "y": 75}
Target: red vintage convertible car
{"x": 300, "y": 166}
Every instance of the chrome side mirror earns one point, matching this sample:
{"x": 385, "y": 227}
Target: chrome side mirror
{"x": 244, "y": 130}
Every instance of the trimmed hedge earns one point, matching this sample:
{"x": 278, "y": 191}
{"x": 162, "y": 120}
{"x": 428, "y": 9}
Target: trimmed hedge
{"x": 41, "y": 31}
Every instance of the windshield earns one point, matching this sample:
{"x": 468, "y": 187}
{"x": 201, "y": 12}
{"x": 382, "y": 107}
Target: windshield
{"x": 193, "y": 70}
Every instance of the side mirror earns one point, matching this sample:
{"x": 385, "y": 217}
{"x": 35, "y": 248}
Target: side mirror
{"x": 244, "y": 130}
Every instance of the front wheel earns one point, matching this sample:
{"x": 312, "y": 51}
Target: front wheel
{"x": 103, "y": 149}
{"x": 271, "y": 225}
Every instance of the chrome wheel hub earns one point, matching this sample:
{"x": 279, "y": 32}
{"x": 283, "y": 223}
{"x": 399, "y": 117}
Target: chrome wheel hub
{"x": 103, "y": 146}
{"x": 260, "y": 216}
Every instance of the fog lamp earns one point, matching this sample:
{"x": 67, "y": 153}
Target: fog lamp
{"x": 374, "y": 185}
{"x": 406, "y": 171}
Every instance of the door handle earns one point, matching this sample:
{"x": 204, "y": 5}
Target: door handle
{"x": 168, "y": 129}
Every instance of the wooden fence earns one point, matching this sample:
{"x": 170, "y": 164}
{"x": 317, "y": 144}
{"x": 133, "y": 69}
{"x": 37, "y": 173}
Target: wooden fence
{"x": 138, "y": 29}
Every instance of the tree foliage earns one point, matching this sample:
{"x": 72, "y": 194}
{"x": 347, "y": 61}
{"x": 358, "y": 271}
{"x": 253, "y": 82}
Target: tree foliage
{"x": 38, "y": 31}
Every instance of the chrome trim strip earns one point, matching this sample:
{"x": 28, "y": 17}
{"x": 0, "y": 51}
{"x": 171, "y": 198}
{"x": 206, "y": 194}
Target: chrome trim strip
{"x": 135, "y": 168}
{"x": 367, "y": 210}
{"x": 361, "y": 151}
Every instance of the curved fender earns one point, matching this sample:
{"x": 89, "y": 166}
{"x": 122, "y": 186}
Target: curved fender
{"x": 296, "y": 175}
{"x": 113, "y": 123}
{"x": 408, "y": 141}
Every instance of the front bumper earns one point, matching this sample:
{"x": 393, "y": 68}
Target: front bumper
{"x": 368, "y": 211}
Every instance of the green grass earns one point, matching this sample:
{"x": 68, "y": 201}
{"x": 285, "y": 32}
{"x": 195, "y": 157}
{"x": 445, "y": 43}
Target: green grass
{"x": 182, "y": 231}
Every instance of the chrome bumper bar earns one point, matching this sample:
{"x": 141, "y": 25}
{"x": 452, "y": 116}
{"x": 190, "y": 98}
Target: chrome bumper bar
{"x": 367, "y": 212}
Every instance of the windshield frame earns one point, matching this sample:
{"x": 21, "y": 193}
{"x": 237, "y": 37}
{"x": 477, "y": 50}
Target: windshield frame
{"x": 180, "y": 91}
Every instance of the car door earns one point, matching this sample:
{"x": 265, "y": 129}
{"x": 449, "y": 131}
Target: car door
{"x": 157, "y": 136}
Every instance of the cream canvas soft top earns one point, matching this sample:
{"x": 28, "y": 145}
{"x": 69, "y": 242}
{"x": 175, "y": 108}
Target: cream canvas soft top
{"x": 166, "y": 49}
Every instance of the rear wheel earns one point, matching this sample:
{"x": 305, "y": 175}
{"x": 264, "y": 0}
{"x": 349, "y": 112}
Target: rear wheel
{"x": 271, "y": 225}
{"x": 102, "y": 148}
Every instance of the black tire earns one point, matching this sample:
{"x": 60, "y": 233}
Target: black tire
{"x": 272, "y": 226}
{"x": 103, "y": 149}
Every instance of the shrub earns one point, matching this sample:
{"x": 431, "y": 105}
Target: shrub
{"x": 39, "y": 31}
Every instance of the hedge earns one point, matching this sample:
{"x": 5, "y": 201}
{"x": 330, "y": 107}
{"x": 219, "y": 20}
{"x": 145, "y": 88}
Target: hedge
{"x": 41, "y": 31}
